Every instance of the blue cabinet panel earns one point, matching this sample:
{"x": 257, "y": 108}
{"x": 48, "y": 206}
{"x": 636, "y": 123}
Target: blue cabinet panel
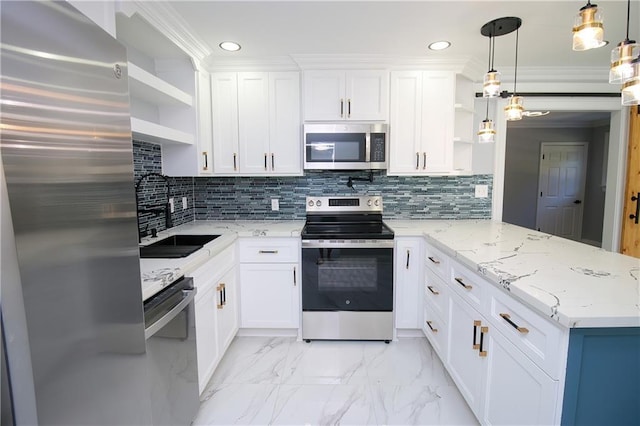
{"x": 603, "y": 377}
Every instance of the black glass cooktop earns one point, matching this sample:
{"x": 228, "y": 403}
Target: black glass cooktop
{"x": 346, "y": 227}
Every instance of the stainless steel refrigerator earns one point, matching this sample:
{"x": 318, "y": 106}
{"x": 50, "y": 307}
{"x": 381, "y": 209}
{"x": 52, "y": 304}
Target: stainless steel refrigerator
{"x": 72, "y": 313}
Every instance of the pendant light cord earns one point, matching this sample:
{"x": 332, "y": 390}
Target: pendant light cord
{"x": 493, "y": 51}
{"x": 628, "y": 12}
{"x": 490, "y": 63}
{"x": 515, "y": 74}
{"x": 486, "y": 117}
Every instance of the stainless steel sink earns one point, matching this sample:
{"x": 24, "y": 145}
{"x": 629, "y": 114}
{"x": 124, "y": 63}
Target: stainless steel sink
{"x": 175, "y": 246}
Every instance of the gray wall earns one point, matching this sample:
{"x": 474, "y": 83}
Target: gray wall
{"x": 521, "y": 175}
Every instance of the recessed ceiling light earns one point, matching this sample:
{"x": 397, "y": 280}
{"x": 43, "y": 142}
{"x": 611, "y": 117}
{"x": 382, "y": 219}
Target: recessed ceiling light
{"x": 230, "y": 46}
{"x": 439, "y": 45}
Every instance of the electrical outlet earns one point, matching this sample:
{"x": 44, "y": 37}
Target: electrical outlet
{"x": 184, "y": 203}
{"x": 275, "y": 204}
{"x": 482, "y": 191}
{"x": 172, "y": 207}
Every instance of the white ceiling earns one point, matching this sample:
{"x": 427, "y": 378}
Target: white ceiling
{"x": 271, "y": 29}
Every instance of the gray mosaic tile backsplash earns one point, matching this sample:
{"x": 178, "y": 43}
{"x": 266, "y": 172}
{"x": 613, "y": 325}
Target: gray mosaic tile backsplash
{"x": 147, "y": 158}
{"x": 249, "y": 198}
{"x": 403, "y": 197}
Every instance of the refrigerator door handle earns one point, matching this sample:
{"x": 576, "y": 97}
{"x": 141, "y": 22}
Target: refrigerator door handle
{"x": 188, "y": 296}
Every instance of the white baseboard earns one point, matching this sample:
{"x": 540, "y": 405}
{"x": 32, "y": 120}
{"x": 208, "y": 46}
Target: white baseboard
{"x": 409, "y": 332}
{"x": 268, "y": 332}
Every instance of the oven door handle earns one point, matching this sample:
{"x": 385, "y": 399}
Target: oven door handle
{"x": 187, "y": 297}
{"x": 347, "y": 244}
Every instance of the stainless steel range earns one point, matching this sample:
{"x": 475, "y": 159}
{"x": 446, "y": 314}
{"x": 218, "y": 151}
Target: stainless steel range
{"x": 347, "y": 270}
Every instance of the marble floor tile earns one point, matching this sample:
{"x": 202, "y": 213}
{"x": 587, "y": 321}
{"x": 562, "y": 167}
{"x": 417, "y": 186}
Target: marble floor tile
{"x": 255, "y": 360}
{"x": 324, "y": 405}
{"x": 282, "y": 381}
{"x": 241, "y": 404}
{"x": 407, "y": 361}
{"x": 421, "y": 405}
{"x": 326, "y": 362}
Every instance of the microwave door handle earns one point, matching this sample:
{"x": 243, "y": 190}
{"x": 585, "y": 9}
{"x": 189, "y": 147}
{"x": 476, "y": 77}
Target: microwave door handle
{"x": 367, "y": 147}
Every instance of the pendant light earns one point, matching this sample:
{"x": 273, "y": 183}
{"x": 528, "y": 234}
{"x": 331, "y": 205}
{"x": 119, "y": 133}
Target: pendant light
{"x": 487, "y": 132}
{"x": 588, "y": 30}
{"x": 515, "y": 107}
{"x": 491, "y": 84}
{"x": 622, "y": 56}
{"x": 631, "y": 87}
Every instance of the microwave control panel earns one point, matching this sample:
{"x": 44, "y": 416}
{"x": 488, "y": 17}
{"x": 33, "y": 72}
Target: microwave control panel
{"x": 378, "y": 153}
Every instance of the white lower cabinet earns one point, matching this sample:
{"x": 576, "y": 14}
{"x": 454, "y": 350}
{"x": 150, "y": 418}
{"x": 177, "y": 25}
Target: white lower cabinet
{"x": 269, "y": 282}
{"x": 269, "y": 295}
{"x": 206, "y": 336}
{"x": 464, "y": 362}
{"x": 492, "y": 361}
{"x": 216, "y": 311}
{"x": 516, "y": 391}
{"x": 408, "y": 280}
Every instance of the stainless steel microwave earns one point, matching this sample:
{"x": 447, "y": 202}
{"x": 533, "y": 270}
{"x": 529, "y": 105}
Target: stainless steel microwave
{"x": 345, "y": 146}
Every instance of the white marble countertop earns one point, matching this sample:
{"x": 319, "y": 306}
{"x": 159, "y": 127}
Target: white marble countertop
{"x": 158, "y": 273}
{"x": 572, "y": 283}
{"x": 575, "y": 284}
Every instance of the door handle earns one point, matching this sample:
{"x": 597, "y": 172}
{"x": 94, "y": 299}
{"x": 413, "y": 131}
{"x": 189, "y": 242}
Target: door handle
{"x": 341, "y": 107}
{"x": 408, "y": 254}
{"x": 476, "y": 324}
{"x": 206, "y": 160}
{"x": 221, "y": 304}
{"x": 273, "y": 161}
{"x": 424, "y": 162}
{"x": 483, "y": 331}
{"x": 235, "y": 163}
{"x": 265, "y": 161}
{"x": 577, "y": 202}
{"x": 348, "y": 108}
{"x": 417, "y": 160}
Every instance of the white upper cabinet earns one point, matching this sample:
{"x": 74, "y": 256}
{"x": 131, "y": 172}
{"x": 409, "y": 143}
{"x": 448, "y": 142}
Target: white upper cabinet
{"x": 421, "y": 123}
{"x": 431, "y": 123}
{"x": 256, "y": 123}
{"x": 346, "y": 95}
{"x": 224, "y": 122}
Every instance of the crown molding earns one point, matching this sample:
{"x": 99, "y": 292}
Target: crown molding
{"x": 346, "y": 61}
{"x": 162, "y": 16}
{"x": 224, "y": 64}
{"x": 557, "y": 74}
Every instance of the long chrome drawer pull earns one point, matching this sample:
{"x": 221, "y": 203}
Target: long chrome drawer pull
{"x": 435, "y": 330}
{"x": 436, "y": 292}
{"x": 221, "y": 304}
{"x": 507, "y": 318}
{"x": 437, "y": 262}
{"x": 483, "y": 331}
{"x": 459, "y": 281}
{"x": 476, "y": 324}
{"x": 268, "y": 251}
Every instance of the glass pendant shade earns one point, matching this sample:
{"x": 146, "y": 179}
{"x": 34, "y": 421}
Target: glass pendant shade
{"x": 588, "y": 30}
{"x": 487, "y": 133}
{"x": 491, "y": 85}
{"x": 621, "y": 58}
{"x": 631, "y": 87}
{"x": 514, "y": 109}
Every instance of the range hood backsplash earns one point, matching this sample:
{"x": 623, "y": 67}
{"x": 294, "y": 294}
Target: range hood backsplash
{"x": 249, "y": 198}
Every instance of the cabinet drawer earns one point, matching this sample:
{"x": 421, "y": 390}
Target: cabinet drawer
{"x": 538, "y": 338}
{"x": 436, "y": 261}
{"x": 206, "y": 275}
{"x": 436, "y": 292}
{"x": 269, "y": 250}
{"x": 436, "y": 330}
{"x": 468, "y": 285}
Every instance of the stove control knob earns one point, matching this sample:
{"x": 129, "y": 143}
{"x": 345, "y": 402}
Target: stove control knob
{"x": 377, "y": 203}
{"x": 310, "y": 203}
{"x": 369, "y": 203}
{"x": 318, "y": 203}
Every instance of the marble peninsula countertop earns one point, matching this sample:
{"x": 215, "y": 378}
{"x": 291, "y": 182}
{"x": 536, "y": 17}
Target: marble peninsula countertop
{"x": 575, "y": 284}
{"x": 158, "y": 273}
{"x": 572, "y": 283}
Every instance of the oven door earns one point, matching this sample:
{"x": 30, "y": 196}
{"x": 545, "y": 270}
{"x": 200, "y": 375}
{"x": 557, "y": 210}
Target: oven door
{"x": 347, "y": 276}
